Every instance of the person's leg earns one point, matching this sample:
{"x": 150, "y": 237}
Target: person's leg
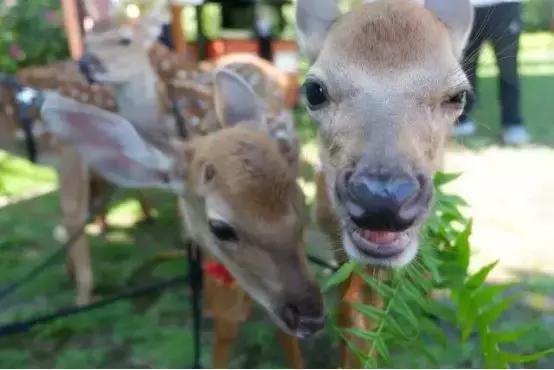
{"x": 479, "y": 34}
{"x": 506, "y": 47}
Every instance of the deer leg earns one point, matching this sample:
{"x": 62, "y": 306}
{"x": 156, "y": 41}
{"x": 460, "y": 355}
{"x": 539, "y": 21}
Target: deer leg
{"x": 225, "y": 334}
{"x": 145, "y": 207}
{"x": 355, "y": 290}
{"x": 99, "y": 189}
{"x": 74, "y": 194}
{"x": 292, "y": 350}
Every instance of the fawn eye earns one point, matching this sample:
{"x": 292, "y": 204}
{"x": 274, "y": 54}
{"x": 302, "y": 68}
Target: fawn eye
{"x": 316, "y": 94}
{"x": 124, "y": 41}
{"x": 458, "y": 100}
{"x": 223, "y": 231}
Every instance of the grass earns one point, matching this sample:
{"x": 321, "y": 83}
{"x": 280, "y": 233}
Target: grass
{"x": 155, "y": 331}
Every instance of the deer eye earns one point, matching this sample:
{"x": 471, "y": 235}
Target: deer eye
{"x": 315, "y": 93}
{"x": 223, "y": 231}
{"x": 124, "y": 41}
{"x": 458, "y": 100}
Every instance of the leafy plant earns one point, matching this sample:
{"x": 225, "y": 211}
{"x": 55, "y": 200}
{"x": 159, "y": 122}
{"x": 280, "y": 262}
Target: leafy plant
{"x": 409, "y": 319}
{"x": 31, "y": 33}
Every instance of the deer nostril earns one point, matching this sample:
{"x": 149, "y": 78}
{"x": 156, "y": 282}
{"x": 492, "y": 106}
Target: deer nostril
{"x": 402, "y": 190}
{"x": 291, "y": 315}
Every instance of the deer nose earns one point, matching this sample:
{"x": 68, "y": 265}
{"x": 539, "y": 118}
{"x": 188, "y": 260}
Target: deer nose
{"x": 304, "y": 314}
{"x": 382, "y": 202}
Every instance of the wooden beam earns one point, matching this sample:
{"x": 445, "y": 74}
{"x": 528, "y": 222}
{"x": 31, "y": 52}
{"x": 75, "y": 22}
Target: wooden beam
{"x": 72, "y": 24}
{"x": 177, "y": 32}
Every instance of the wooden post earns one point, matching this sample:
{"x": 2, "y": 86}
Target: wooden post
{"x": 177, "y": 33}
{"x": 72, "y": 23}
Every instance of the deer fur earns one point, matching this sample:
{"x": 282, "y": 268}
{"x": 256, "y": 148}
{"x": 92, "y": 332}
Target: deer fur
{"x": 391, "y": 77}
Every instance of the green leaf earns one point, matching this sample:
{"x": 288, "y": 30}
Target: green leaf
{"x": 479, "y": 277}
{"x": 486, "y": 294}
{"x": 405, "y": 311}
{"x": 521, "y": 359}
{"x": 381, "y": 348}
{"x": 339, "y": 277}
{"x": 491, "y": 313}
{"x": 442, "y": 178}
{"x": 462, "y": 246}
{"x": 510, "y": 335}
{"x": 363, "y": 334}
{"x": 370, "y": 311}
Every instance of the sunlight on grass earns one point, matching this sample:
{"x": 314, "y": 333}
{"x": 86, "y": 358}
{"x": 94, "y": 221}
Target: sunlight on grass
{"x": 125, "y": 214}
{"x": 118, "y": 237}
{"x": 19, "y": 176}
{"x": 536, "y": 56}
{"x": 539, "y": 302}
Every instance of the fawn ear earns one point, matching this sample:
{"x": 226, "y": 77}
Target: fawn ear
{"x": 314, "y": 19}
{"x": 458, "y": 16}
{"x": 110, "y": 144}
{"x": 284, "y": 134}
{"x": 236, "y": 102}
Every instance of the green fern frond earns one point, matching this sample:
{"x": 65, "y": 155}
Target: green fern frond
{"x": 410, "y": 319}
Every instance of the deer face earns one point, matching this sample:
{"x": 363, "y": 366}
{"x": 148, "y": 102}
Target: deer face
{"x": 118, "y": 52}
{"x": 385, "y": 87}
{"x": 241, "y": 201}
{"x": 248, "y": 211}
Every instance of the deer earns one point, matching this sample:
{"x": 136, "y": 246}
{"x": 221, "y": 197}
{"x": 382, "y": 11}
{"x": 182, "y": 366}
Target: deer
{"x": 236, "y": 190}
{"x": 385, "y": 85}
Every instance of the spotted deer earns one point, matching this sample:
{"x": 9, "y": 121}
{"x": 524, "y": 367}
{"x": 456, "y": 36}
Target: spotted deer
{"x": 384, "y": 87}
{"x": 236, "y": 189}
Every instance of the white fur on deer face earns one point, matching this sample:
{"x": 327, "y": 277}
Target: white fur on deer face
{"x": 385, "y": 87}
{"x": 240, "y": 199}
{"x": 121, "y": 51}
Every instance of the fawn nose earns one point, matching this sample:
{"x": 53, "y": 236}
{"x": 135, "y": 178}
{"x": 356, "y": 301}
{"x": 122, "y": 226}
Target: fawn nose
{"x": 304, "y": 313}
{"x": 381, "y": 201}
{"x": 89, "y": 64}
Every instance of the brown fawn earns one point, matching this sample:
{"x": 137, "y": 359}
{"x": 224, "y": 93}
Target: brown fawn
{"x": 385, "y": 86}
{"x": 237, "y": 193}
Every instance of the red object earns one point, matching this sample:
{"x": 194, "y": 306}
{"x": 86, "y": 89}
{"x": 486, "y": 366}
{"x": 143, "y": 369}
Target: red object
{"x": 217, "y": 271}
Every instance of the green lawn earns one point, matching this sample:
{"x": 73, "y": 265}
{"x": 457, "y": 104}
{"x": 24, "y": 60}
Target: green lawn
{"x": 155, "y": 331}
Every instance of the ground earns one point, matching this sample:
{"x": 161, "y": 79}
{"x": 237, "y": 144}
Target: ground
{"x": 510, "y": 197}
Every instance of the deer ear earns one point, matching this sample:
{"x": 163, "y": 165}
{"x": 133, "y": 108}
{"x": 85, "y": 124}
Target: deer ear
{"x": 458, "y": 16}
{"x": 314, "y": 18}
{"x": 109, "y": 144}
{"x": 284, "y": 134}
{"x": 236, "y": 102}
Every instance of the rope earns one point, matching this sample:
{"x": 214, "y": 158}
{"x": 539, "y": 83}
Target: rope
{"x": 196, "y": 285}
{"x": 24, "y": 326}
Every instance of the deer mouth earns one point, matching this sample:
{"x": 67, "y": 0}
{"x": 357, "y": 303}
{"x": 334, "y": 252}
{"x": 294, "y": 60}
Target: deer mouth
{"x": 388, "y": 248}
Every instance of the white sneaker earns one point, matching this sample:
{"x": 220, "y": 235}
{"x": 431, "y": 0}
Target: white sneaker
{"x": 464, "y": 128}
{"x": 515, "y": 135}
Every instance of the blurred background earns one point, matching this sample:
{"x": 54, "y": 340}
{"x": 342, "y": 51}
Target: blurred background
{"x": 509, "y": 191}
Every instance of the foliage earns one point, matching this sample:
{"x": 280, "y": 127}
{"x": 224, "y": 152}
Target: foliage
{"x": 538, "y": 15}
{"x": 409, "y": 319}
{"x": 31, "y": 33}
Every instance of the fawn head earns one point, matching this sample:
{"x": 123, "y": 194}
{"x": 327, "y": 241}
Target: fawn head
{"x": 116, "y": 47}
{"x": 241, "y": 199}
{"x": 384, "y": 87}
